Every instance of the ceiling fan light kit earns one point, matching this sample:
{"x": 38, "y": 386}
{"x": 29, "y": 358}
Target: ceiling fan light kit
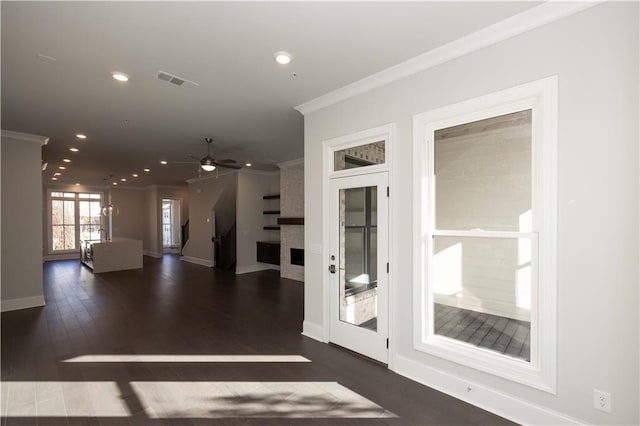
{"x": 209, "y": 164}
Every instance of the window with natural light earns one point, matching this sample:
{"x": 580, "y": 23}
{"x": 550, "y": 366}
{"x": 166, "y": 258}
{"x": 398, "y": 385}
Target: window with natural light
{"x": 74, "y": 217}
{"x": 485, "y": 240}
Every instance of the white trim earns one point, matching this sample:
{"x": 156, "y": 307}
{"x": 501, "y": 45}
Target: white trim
{"x": 388, "y": 133}
{"x": 22, "y": 303}
{"x": 62, "y": 256}
{"x": 252, "y": 268}
{"x": 541, "y": 97}
{"x": 515, "y": 25}
{"x": 290, "y": 163}
{"x": 313, "y": 331}
{"x": 27, "y": 137}
{"x": 152, "y": 254}
{"x": 494, "y": 401}
{"x": 384, "y": 133}
{"x": 197, "y": 261}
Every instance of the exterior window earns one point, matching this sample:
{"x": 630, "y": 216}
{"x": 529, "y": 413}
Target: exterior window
{"x": 74, "y": 217}
{"x": 486, "y": 247}
{"x": 365, "y": 155}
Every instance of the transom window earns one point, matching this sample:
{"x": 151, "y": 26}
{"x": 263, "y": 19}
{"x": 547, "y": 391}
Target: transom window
{"x": 485, "y": 241}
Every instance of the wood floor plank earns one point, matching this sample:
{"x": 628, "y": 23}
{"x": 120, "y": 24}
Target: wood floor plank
{"x": 174, "y": 308}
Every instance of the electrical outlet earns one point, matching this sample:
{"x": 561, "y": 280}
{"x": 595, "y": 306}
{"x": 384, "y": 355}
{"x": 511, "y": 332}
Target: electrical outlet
{"x": 602, "y": 400}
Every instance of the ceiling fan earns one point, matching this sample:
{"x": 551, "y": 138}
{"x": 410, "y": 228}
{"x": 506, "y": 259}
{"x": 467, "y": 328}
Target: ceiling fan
{"x": 209, "y": 163}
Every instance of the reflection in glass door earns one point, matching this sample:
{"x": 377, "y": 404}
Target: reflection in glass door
{"x": 359, "y": 256}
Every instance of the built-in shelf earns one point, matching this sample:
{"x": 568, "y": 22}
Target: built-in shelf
{"x": 271, "y": 213}
{"x": 291, "y": 221}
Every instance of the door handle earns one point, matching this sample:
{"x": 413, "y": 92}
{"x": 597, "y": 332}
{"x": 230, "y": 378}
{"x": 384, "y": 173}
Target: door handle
{"x": 332, "y": 269}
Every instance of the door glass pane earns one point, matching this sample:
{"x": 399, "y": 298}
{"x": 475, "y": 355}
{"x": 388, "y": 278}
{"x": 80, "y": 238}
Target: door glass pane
{"x": 482, "y": 292}
{"x": 483, "y": 174}
{"x": 57, "y": 212}
{"x": 57, "y": 237}
{"x": 359, "y": 156}
{"x": 69, "y": 212}
{"x": 69, "y": 237}
{"x": 358, "y": 256}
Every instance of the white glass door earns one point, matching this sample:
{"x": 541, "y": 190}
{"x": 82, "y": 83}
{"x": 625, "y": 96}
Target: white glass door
{"x": 358, "y": 264}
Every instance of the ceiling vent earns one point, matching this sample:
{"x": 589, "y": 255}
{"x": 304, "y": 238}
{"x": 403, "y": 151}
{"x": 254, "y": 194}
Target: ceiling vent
{"x": 174, "y": 79}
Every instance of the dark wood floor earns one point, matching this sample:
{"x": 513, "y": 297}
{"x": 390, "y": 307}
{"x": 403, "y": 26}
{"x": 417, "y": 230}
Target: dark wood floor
{"x": 147, "y": 336}
{"x": 503, "y": 335}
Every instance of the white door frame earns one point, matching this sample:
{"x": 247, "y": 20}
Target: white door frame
{"x": 342, "y": 332}
{"x": 388, "y": 134}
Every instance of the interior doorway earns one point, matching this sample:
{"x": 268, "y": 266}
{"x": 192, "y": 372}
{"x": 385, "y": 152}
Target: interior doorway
{"x": 171, "y": 225}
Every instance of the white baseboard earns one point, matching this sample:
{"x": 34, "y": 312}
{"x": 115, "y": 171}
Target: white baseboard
{"x": 66, "y": 256}
{"x": 197, "y": 261}
{"x": 22, "y": 303}
{"x": 252, "y": 268}
{"x": 152, "y": 254}
{"x": 314, "y": 331}
{"x": 514, "y": 409}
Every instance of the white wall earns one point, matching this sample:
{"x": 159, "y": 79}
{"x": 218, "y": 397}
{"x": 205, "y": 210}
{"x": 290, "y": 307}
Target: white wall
{"x": 151, "y": 237}
{"x": 252, "y": 186}
{"x": 130, "y": 222}
{"x": 205, "y": 195}
{"x": 21, "y": 213}
{"x": 595, "y": 55}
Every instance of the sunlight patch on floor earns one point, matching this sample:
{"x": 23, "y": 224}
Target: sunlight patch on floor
{"x": 254, "y": 399}
{"x": 187, "y": 358}
{"x": 60, "y": 399}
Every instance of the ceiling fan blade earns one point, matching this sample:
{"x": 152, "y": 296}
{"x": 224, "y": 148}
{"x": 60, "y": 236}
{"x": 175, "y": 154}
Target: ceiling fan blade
{"x": 228, "y": 166}
{"x": 227, "y": 161}
{"x": 193, "y": 157}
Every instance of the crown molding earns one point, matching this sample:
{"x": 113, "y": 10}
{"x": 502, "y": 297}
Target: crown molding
{"x": 290, "y": 163}
{"x": 515, "y": 25}
{"x": 42, "y": 140}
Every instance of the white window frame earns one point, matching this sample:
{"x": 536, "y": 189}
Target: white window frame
{"x": 541, "y": 97}
{"x": 76, "y": 212}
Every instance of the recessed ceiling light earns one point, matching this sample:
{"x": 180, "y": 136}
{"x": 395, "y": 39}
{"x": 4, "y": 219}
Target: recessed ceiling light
{"x": 120, "y": 76}
{"x": 123, "y": 180}
{"x": 248, "y": 164}
{"x": 146, "y": 170}
{"x": 66, "y": 160}
{"x": 62, "y": 167}
{"x": 135, "y": 175}
{"x": 57, "y": 174}
{"x": 74, "y": 149}
{"x": 282, "y": 57}
{"x": 81, "y": 136}
{"x": 115, "y": 183}
{"x": 54, "y": 178}
{"x": 77, "y": 183}
{"x": 163, "y": 162}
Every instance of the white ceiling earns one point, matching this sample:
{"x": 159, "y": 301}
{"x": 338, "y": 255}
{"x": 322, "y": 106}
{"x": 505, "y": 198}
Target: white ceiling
{"x": 244, "y": 99}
